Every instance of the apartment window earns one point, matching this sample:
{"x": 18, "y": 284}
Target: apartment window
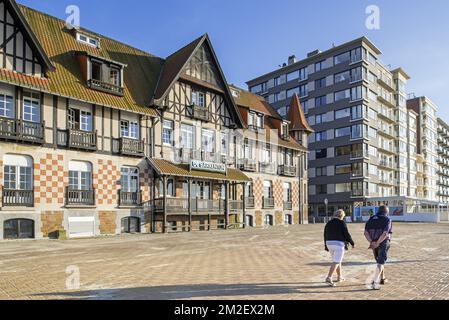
{"x": 320, "y": 101}
{"x": 187, "y": 136}
{"x": 372, "y": 77}
{"x": 320, "y": 83}
{"x": 168, "y": 132}
{"x": 340, "y": 95}
{"x": 129, "y": 129}
{"x": 18, "y": 172}
{"x": 357, "y": 188}
{"x": 341, "y": 77}
{"x": 292, "y": 75}
{"x": 268, "y": 189}
{"x": 321, "y": 136}
{"x": 208, "y": 140}
{"x": 285, "y": 129}
{"x": 320, "y": 118}
{"x": 358, "y": 93}
{"x": 342, "y": 151}
{"x": 372, "y": 133}
{"x": 306, "y": 105}
{"x": 358, "y": 74}
{"x": 80, "y": 175}
{"x": 342, "y": 187}
{"x": 321, "y": 153}
{"x": 357, "y": 112}
{"x": 303, "y": 74}
{"x": 372, "y": 58}
{"x": 225, "y": 143}
{"x": 198, "y": 98}
{"x": 287, "y": 192}
{"x": 373, "y": 170}
{"x": 129, "y": 180}
{"x": 319, "y": 66}
{"x": 96, "y": 70}
{"x": 342, "y": 113}
{"x": 321, "y": 172}
{"x": 247, "y": 149}
{"x": 343, "y": 169}
{"x": 32, "y": 107}
{"x": 321, "y": 188}
{"x": 283, "y": 111}
{"x": 303, "y": 91}
{"x": 7, "y": 106}
{"x": 358, "y": 54}
{"x": 372, "y": 95}
{"x": 265, "y": 156}
{"x": 357, "y": 131}
{"x": 80, "y": 120}
{"x": 341, "y": 58}
{"x": 114, "y": 76}
{"x": 342, "y": 132}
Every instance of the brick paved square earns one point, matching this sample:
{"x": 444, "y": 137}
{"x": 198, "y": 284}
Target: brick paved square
{"x": 277, "y": 263}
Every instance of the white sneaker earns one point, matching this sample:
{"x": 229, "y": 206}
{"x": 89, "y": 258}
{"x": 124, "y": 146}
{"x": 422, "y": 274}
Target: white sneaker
{"x": 330, "y": 282}
{"x": 375, "y": 286}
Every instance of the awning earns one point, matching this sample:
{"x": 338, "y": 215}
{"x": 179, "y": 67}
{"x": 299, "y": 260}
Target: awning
{"x": 167, "y": 168}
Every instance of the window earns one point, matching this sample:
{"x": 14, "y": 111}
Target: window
{"x": 247, "y": 149}
{"x": 31, "y": 107}
{"x": 170, "y": 188}
{"x": 114, "y": 76}
{"x": 285, "y": 129}
{"x": 198, "y": 98}
{"x": 268, "y": 189}
{"x": 321, "y": 136}
{"x": 319, "y": 66}
{"x": 129, "y": 179}
{"x": 88, "y": 40}
{"x": 187, "y": 136}
{"x": 260, "y": 88}
{"x": 208, "y": 140}
{"x": 80, "y": 120}
{"x": 7, "y": 106}
{"x": 320, "y": 118}
{"x": 358, "y": 93}
{"x": 320, "y": 83}
{"x": 358, "y": 54}
{"x": 320, "y": 101}
{"x": 321, "y": 153}
{"x": 321, "y": 171}
{"x": 18, "y": 172}
{"x": 343, "y": 76}
{"x": 342, "y": 113}
{"x": 167, "y": 132}
{"x": 265, "y": 156}
{"x": 291, "y": 92}
{"x": 342, "y": 132}
{"x": 129, "y": 129}
{"x": 343, "y": 57}
{"x": 80, "y": 175}
{"x": 357, "y": 112}
{"x": 96, "y": 71}
{"x": 356, "y": 131}
{"x": 225, "y": 143}
{"x": 342, "y": 187}
{"x": 358, "y": 74}
{"x": 303, "y": 74}
{"x": 344, "y": 94}
{"x": 343, "y": 169}
{"x": 372, "y": 58}
{"x": 342, "y": 151}
{"x": 321, "y": 188}
{"x": 287, "y": 192}
{"x": 292, "y": 75}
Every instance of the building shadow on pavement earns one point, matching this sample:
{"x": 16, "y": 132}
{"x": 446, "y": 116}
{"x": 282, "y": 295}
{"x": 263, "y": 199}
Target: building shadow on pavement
{"x": 175, "y": 292}
{"x": 356, "y": 264}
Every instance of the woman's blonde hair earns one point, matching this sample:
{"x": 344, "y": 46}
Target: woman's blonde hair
{"x": 340, "y": 214}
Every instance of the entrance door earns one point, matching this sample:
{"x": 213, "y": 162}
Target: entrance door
{"x": 269, "y": 220}
{"x": 131, "y": 225}
{"x": 18, "y": 229}
{"x": 249, "y": 221}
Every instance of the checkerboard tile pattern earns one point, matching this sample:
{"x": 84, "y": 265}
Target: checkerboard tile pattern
{"x": 107, "y": 182}
{"x": 49, "y": 179}
{"x": 145, "y": 183}
{"x": 1, "y": 180}
{"x": 295, "y": 194}
{"x": 278, "y": 193}
{"x": 258, "y": 192}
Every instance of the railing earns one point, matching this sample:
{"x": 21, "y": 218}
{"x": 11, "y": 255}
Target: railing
{"x": 182, "y": 155}
{"x": 287, "y": 171}
{"x": 129, "y": 147}
{"x": 18, "y": 198}
{"x": 106, "y": 87}
{"x": 19, "y": 130}
{"x": 181, "y": 206}
{"x": 357, "y": 193}
{"x": 80, "y": 197}
{"x": 267, "y": 167}
{"x": 358, "y": 154}
{"x": 77, "y": 139}
{"x": 235, "y": 205}
{"x": 268, "y": 203}
{"x": 288, "y": 205}
{"x": 197, "y": 112}
{"x": 250, "y": 202}
{"x": 247, "y": 165}
{"x": 130, "y": 198}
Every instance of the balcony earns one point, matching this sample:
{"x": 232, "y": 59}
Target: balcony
{"x": 199, "y": 113}
{"x": 23, "y": 131}
{"x": 18, "y": 198}
{"x": 176, "y": 206}
{"x": 386, "y": 82}
{"x": 267, "y": 167}
{"x": 185, "y": 156}
{"x": 129, "y": 147}
{"x": 77, "y": 139}
{"x": 130, "y": 199}
{"x": 247, "y": 165}
{"x": 268, "y": 202}
{"x": 106, "y": 87}
{"x": 288, "y": 206}
{"x": 357, "y": 193}
{"x": 358, "y": 154}
{"x": 80, "y": 197}
{"x": 250, "y": 202}
{"x": 235, "y": 206}
{"x": 287, "y": 171}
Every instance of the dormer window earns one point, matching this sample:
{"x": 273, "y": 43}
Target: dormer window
{"x": 105, "y": 76}
{"x": 285, "y": 130}
{"x": 91, "y": 41}
{"x": 255, "y": 120}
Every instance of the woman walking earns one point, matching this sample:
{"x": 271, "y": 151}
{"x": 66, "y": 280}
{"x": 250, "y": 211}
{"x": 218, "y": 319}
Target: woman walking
{"x": 336, "y": 239}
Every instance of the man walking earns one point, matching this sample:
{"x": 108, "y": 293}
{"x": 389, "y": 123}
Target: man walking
{"x": 378, "y": 231}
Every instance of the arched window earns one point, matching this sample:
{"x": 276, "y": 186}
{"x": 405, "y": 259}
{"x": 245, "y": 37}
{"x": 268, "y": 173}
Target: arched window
{"x": 18, "y": 181}
{"x": 18, "y": 229}
{"x": 131, "y": 225}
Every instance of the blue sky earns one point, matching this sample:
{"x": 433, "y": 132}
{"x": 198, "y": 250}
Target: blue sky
{"x": 252, "y": 37}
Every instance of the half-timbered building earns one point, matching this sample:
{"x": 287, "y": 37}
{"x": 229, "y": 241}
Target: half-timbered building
{"x": 100, "y": 138}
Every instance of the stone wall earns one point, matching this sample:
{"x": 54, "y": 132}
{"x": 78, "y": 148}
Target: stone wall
{"x": 52, "y": 222}
{"x": 108, "y": 222}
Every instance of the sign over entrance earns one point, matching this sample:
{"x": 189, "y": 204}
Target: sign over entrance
{"x": 207, "y": 166}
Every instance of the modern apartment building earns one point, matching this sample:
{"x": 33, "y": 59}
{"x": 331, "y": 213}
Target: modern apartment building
{"x": 443, "y": 161}
{"x": 427, "y": 146}
{"x": 97, "y": 138}
{"x": 357, "y": 107}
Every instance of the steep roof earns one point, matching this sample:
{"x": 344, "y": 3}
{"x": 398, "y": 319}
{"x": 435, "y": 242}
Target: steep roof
{"x": 60, "y": 45}
{"x": 298, "y": 121}
{"x": 255, "y": 102}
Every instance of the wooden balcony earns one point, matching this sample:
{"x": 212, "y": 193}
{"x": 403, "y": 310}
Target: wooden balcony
{"x": 129, "y": 199}
{"x": 199, "y": 113}
{"x": 80, "y": 197}
{"x": 22, "y": 131}
{"x": 288, "y": 205}
{"x": 106, "y": 87}
{"x": 247, "y": 165}
{"x": 267, "y": 167}
{"x": 18, "y": 198}
{"x": 77, "y": 139}
{"x": 287, "y": 171}
{"x": 250, "y": 202}
{"x": 235, "y": 205}
{"x": 268, "y": 203}
{"x": 181, "y": 206}
{"x": 129, "y": 147}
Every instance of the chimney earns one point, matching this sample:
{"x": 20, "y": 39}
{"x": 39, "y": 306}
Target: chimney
{"x": 313, "y": 53}
{"x": 292, "y": 60}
